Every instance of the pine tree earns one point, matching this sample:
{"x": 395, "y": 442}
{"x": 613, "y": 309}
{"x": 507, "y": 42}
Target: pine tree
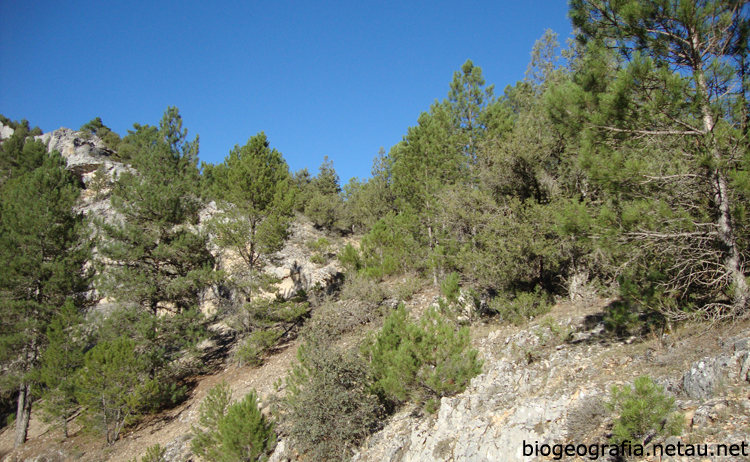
{"x": 20, "y": 153}
{"x": 325, "y": 205}
{"x": 421, "y": 361}
{"x": 43, "y": 266}
{"x": 229, "y": 432}
{"x": 154, "y": 255}
{"x": 254, "y": 190}
{"x": 469, "y": 100}
{"x": 666, "y": 132}
{"x": 111, "y": 139}
{"x": 113, "y": 386}
{"x": 61, "y": 362}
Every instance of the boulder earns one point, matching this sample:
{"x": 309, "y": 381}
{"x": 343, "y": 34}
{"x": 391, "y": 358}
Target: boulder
{"x": 704, "y": 376}
{"x": 5, "y": 132}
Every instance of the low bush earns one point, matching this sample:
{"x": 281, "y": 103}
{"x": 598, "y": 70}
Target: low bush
{"x": 521, "y": 307}
{"x": 362, "y": 288}
{"x": 328, "y": 408}
{"x": 621, "y": 317}
{"x": 585, "y": 418}
{"x": 421, "y": 361}
{"x": 407, "y": 287}
{"x": 253, "y": 348}
{"x": 229, "y": 432}
{"x": 644, "y": 411}
{"x": 154, "y": 453}
{"x": 337, "y": 318}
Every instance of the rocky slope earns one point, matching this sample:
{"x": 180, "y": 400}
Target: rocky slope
{"x": 548, "y": 384}
{"x": 543, "y": 383}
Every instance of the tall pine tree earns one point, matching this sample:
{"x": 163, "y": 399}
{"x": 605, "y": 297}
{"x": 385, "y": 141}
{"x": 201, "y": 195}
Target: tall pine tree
{"x": 666, "y": 139}
{"x": 155, "y": 256}
{"x": 43, "y": 266}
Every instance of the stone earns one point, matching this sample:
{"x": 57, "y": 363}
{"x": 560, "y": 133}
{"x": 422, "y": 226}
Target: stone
{"x": 704, "y": 375}
{"x": 83, "y": 154}
{"x": 5, "y": 132}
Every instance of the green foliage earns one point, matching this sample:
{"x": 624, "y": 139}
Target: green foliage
{"x": 43, "y": 255}
{"x": 328, "y": 408}
{"x": 258, "y": 343}
{"x": 229, "y": 432}
{"x": 320, "y": 250}
{"x": 320, "y": 245}
{"x": 112, "y": 386}
{"x": 349, "y": 257}
{"x": 421, "y": 360}
{"x": 362, "y": 288}
{"x": 450, "y": 287}
{"x": 392, "y": 246}
{"x": 60, "y": 364}
{"x": 154, "y": 453}
{"x": 643, "y": 409}
{"x": 659, "y": 118}
{"x": 323, "y": 210}
{"x": 365, "y": 202}
{"x": 154, "y": 257}
{"x": 99, "y": 182}
{"x": 263, "y": 313}
{"x": 468, "y": 100}
{"x": 253, "y": 188}
{"x": 111, "y": 139}
{"x": 621, "y": 317}
{"x": 407, "y": 287}
{"x": 162, "y": 339}
{"x": 324, "y": 205}
{"x": 520, "y": 307}
{"x": 20, "y": 153}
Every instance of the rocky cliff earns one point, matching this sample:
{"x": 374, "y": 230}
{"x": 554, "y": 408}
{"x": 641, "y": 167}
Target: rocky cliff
{"x": 549, "y": 385}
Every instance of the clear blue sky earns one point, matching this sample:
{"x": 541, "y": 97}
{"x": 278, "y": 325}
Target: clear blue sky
{"x": 335, "y": 78}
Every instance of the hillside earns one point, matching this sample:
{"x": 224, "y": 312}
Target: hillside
{"x": 546, "y": 382}
{"x": 557, "y": 271}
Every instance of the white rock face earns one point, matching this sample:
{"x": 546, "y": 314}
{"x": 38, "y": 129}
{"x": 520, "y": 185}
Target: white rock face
{"x": 83, "y": 154}
{"x": 5, "y": 132}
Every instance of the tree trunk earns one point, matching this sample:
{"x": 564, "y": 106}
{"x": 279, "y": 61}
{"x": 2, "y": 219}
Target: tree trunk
{"x": 23, "y": 414}
{"x": 732, "y": 260}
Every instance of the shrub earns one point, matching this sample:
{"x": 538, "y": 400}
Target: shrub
{"x": 320, "y": 245}
{"x": 585, "y": 417}
{"x": 329, "y": 409}
{"x": 232, "y": 432}
{"x": 252, "y": 349}
{"x": 362, "y": 288}
{"x": 350, "y": 259}
{"x": 154, "y": 453}
{"x": 521, "y": 307}
{"x": 450, "y": 287}
{"x": 407, "y": 287}
{"x": 643, "y": 410}
{"x": 263, "y": 313}
{"x": 621, "y": 317}
{"x": 421, "y": 361}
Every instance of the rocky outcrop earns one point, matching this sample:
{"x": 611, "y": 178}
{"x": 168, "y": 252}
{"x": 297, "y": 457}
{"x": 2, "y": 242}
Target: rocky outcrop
{"x": 5, "y": 132}
{"x": 84, "y": 153}
{"x": 533, "y": 392}
{"x": 512, "y": 402}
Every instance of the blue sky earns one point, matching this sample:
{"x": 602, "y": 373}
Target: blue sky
{"x": 335, "y": 78}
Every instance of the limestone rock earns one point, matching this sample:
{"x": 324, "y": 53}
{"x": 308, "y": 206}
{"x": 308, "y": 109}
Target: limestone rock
{"x": 5, "y": 132}
{"x": 704, "y": 375}
{"x": 84, "y": 154}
